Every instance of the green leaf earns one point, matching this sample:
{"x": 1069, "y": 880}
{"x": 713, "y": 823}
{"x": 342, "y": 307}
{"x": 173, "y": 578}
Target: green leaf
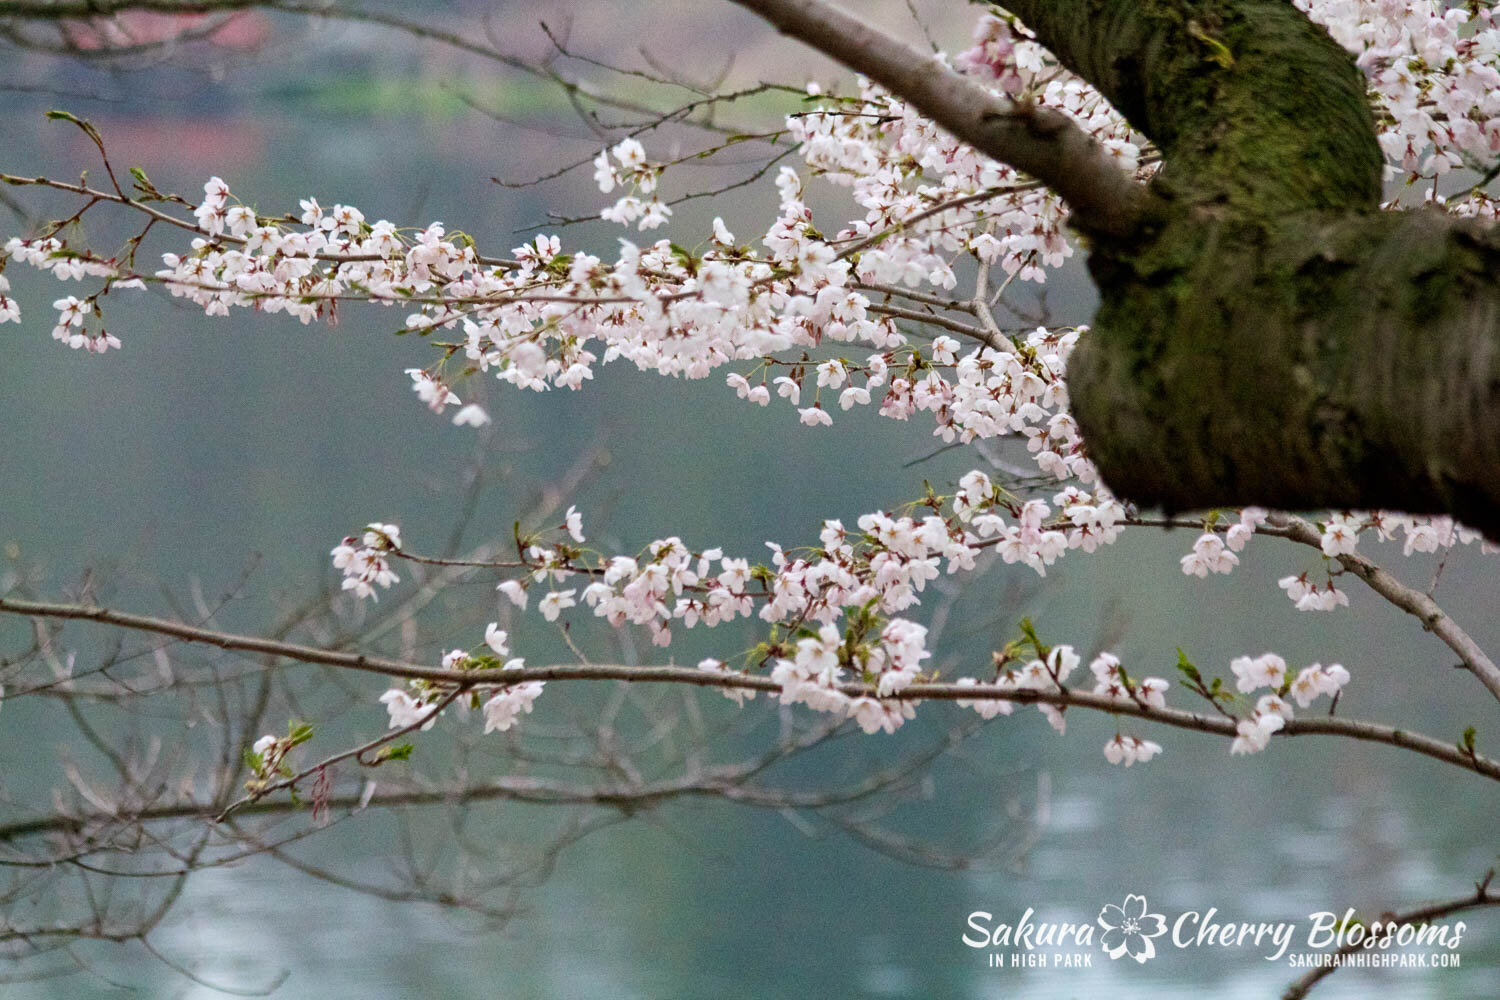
{"x": 401, "y": 751}
{"x": 1185, "y": 666}
{"x": 1219, "y": 51}
{"x": 87, "y": 126}
{"x": 299, "y": 732}
{"x": 1029, "y": 631}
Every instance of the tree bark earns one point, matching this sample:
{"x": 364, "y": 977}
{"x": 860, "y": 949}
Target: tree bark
{"x": 1267, "y": 336}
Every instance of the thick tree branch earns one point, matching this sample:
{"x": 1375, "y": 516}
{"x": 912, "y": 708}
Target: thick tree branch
{"x": 1037, "y": 141}
{"x": 1270, "y": 338}
{"x": 1248, "y": 100}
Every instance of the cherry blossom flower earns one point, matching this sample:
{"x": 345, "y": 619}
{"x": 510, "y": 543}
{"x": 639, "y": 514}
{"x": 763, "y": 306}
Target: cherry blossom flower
{"x": 1316, "y": 680}
{"x": 405, "y": 710}
{"x": 1254, "y": 733}
{"x": 574, "y": 524}
{"x": 1340, "y": 535}
{"x": 472, "y": 415}
{"x": 504, "y": 710}
{"x": 497, "y": 638}
{"x": 555, "y": 603}
{"x": 987, "y": 708}
{"x": 1209, "y": 555}
{"x": 1266, "y": 670}
{"x": 1128, "y": 750}
{"x": 515, "y": 592}
{"x": 814, "y": 416}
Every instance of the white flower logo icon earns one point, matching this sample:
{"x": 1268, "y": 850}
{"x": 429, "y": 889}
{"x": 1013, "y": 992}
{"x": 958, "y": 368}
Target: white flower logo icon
{"x": 1128, "y": 929}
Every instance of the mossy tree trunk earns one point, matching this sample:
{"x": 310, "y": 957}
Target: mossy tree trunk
{"x": 1266, "y": 335}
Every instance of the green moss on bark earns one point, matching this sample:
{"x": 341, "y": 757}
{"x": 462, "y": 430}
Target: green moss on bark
{"x": 1266, "y": 335}
{"x": 1340, "y": 361}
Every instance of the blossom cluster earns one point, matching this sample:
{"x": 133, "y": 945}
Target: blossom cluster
{"x": 365, "y": 559}
{"x": 1340, "y": 537}
{"x": 1271, "y": 711}
{"x": 500, "y": 702}
{"x": 73, "y": 313}
{"x": 815, "y": 313}
{"x": 1434, "y": 74}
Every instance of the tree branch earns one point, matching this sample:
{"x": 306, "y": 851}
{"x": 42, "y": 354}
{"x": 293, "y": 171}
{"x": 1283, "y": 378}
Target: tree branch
{"x": 1371, "y": 732}
{"x": 1482, "y": 896}
{"x": 1038, "y": 141}
{"x": 1433, "y": 618}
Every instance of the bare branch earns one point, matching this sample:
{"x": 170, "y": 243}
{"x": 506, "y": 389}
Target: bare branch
{"x": 1482, "y": 896}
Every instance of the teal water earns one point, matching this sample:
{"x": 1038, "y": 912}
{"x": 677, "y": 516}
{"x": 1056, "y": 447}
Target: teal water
{"x": 206, "y": 443}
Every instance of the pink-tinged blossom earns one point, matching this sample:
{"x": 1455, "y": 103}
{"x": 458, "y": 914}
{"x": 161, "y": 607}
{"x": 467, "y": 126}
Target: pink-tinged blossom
{"x": 1296, "y": 587}
{"x": 1324, "y": 598}
{"x": 788, "y": 388}
{"x": 430, "y": 391}
{"x": 1152, "y": 691}
{"x": 1266, "y": 670}
{"x": 1209, "y": 555}
{"x": 1340, "y": 535}
{"x": 1273, "y": 704}
{"x": 212, "y": 211}
{"x": 873, "y": 716}
{"x": 738, "y": 695}
{"x": 814, "y": 416}
{"x": 1317, "y": 680}
{"x": 854, "y": 396}
{"x": 573, "y": 522}
{"x": 604, "y": 173}
{"x": 504, "y": 710}
{"x": 1061, "y": 662}
{"x": 497, "y": 639}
